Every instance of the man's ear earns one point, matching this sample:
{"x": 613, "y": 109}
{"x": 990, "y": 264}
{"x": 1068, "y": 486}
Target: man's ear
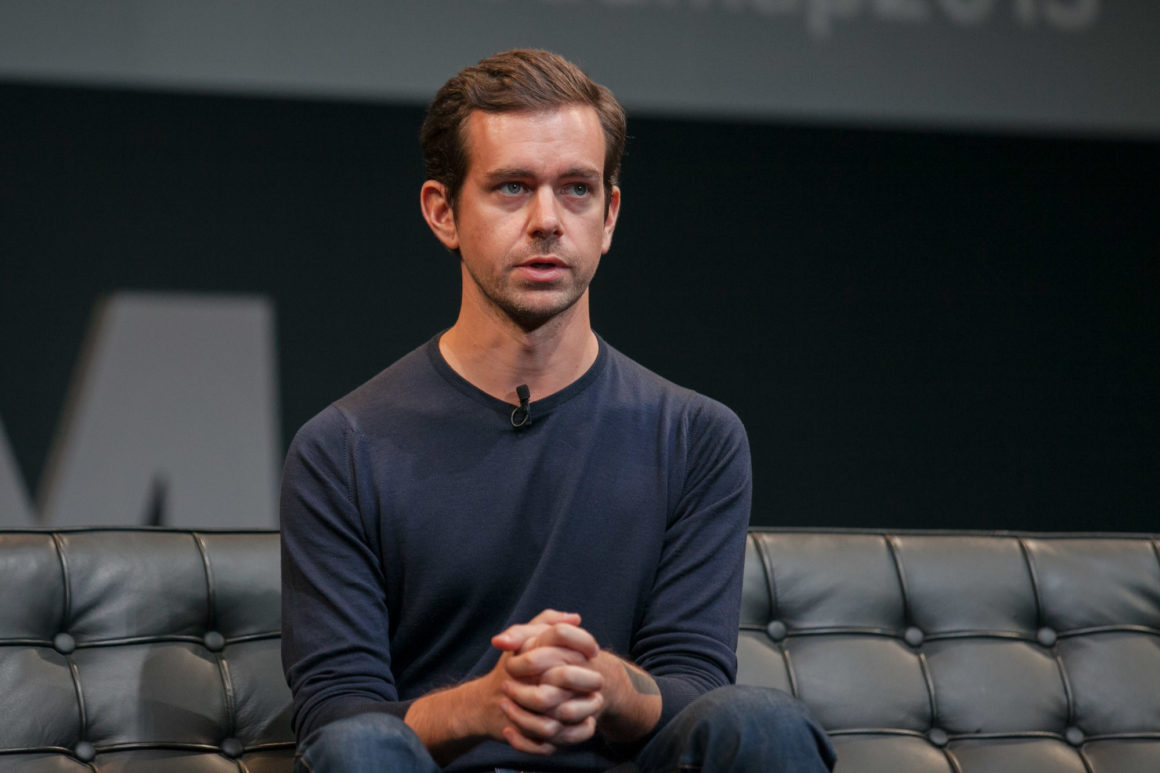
{"x": 436, "y": 206}
{"x": 610, "y": 218}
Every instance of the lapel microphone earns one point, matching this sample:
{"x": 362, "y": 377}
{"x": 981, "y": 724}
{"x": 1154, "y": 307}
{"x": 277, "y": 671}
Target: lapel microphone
{"x": 522, "y": 414}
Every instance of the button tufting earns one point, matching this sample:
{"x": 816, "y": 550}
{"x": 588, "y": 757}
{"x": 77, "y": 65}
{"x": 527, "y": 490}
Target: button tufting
{"x": 913, "y": 636}
{"x": 64, "y": 643}
{"x": 214, "y": 641}
{"x": 1046, "y": 636}
{"x": 937, "y": 736}
{"x": 84, "y": 751}
{"x": 232, "y": 747}
{"x": 1074, "y": 736}
{"x": 777, "y": 630}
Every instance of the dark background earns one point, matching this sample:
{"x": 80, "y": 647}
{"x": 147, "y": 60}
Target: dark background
{"x": 918, "y": 328}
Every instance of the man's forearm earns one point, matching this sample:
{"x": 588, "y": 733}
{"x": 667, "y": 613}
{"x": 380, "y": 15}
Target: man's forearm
{"x": 450, "y": 722}
{"x": 632, "y": 700}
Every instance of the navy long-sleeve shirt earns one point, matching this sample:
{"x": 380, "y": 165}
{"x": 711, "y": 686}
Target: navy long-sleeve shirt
{"x": 417, "y": 523}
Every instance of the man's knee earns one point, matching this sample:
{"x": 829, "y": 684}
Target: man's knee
{"x": 362, "y": 742}
{"x": 741, "y": 708}
{"x": 758, "y": 723}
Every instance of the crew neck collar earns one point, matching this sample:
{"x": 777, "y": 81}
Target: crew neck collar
{"x": 540, "y": 406}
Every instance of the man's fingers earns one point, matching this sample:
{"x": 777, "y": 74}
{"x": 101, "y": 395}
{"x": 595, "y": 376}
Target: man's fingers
{"x": 517, "y": 635}
{"x": 529, "y": 732}
{"x": 578, "y": 733}
{"x": 575, "y": 679}
{"x": 552, "y": 617}
{"x": 564, "y": 635}
{"x": 522, "y": 743}
{"x": 577, "y": 710}
{"x": 539, "y": 698}
{"x": 535, "y": 662}
{"x": 538, "y": 728}
{"x": 576, "y": 698}
{"x": 552, "y": 697}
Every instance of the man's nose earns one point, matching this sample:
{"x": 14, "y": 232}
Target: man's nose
{"x": 544, "y": 221}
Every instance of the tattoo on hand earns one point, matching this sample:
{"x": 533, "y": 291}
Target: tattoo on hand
{"x": 641, "y": 682}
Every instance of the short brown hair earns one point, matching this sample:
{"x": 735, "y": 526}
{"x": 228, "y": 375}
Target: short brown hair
{"x": 518, "y": 80}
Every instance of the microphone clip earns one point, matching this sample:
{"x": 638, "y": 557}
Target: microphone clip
{"x": 522, "y": 414}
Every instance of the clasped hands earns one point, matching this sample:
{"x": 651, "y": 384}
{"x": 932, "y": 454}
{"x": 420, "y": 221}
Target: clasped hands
{"x": 547, "y": 684}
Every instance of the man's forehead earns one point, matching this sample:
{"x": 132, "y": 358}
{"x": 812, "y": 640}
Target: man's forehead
{"x": 511, "y": 139}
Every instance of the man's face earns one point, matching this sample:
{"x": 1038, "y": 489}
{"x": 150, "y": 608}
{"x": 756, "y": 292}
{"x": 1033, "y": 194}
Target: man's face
{"x": 530, "y": 221}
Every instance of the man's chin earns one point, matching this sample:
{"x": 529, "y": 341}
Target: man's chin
{"x": 532, "y": 316}
{"x": 532, "y": 319}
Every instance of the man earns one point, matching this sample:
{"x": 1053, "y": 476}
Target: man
{"x": 515, "y": 548}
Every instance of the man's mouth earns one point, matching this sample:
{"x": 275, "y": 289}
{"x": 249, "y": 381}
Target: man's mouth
{"x": 543, "y": 263}
{"x": 542, "y": 269}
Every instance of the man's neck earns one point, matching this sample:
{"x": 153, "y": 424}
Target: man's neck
{"x": 497, "y": 355}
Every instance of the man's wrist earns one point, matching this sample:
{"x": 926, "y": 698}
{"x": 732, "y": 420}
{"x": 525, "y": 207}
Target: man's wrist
{"x": 632, "y": 700}
{"x": 475, "y": 708}
{"x": 450, "y": 721}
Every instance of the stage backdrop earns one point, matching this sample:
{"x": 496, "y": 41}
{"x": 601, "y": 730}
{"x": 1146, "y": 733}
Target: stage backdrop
{"x": 911, "y": 242}
{"x": 1062, "y": 65}
{"x": 919, "y": 328}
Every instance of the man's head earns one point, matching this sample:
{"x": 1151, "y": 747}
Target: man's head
{"x": 514, "y": 81}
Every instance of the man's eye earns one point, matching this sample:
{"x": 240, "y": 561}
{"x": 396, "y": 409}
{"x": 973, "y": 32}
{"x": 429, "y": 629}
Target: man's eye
{"x": 578, "y": 189}
{"x": 511, "y": 188}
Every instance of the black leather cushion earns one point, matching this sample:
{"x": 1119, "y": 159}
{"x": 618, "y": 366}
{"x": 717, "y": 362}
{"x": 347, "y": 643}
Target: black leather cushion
{"x": 157, "y": 650}
{"x": 964, "y": 652}
{"x": 141, "y": 650}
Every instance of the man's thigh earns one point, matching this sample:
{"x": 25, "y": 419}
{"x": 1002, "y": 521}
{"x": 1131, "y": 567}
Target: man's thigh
{"x": 365, "y": 743}
{"x": 740, "y": 729}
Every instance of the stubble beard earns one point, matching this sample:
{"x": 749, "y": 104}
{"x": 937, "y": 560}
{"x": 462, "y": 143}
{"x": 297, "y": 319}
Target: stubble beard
{"x": 514, "y": 303}
{"x": 508, "y": 300}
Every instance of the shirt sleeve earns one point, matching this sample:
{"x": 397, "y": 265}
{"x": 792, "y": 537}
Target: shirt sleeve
{"x": 688, "y": 638}
{"x": 335, "y": 625}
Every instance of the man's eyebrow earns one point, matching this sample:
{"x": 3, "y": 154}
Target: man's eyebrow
{"x": 508, "y": 173}
{"x": 582, "y": 173}
{"x": 519, "y": 173}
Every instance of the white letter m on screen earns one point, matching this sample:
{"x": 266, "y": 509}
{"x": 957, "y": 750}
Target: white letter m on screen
{"x": 171, "y": 420}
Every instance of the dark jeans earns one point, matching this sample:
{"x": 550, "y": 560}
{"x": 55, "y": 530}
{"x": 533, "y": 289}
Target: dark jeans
{"x": 728, "y": 730}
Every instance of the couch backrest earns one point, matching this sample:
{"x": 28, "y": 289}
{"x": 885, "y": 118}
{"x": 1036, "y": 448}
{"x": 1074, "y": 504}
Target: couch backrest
{"x": 157, "y": 650}
{"x": 136, "y": 649}
{"x": 962, "y": 653}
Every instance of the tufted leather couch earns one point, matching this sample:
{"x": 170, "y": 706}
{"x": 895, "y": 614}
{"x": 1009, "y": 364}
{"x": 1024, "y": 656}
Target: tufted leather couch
{"x": 959, "y": 652}
{"x": 141, "y": 650}
{"x": 157, "y": 650}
